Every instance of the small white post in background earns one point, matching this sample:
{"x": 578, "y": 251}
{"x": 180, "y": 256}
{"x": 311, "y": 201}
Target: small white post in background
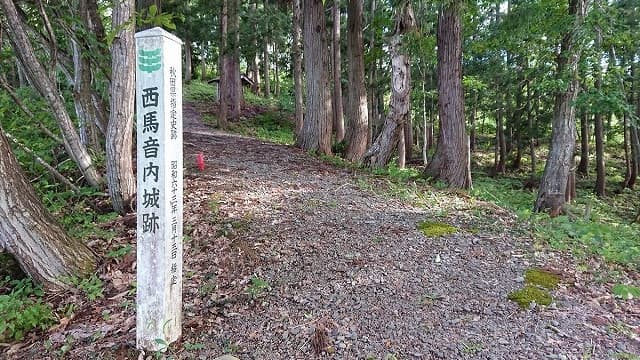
{"x": 159, "y": 203}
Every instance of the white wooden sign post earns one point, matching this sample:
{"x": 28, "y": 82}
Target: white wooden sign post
{"x": 159, "y": 203}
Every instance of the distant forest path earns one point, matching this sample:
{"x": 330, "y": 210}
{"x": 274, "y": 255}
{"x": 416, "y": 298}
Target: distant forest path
{"x": 288, "y": 257}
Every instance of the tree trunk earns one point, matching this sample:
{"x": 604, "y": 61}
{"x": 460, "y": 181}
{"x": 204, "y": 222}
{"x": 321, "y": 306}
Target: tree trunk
{"x": 235, "y": 87}
{"x": 266, "y": 66}
{"x": 501, "y": 151}
{"x": 230, "y": 83}
{"x": 551, "y": 194}
{"x": 203, "y": 66}
{"x": 408, "y": 137}
{"x": 634, "y": 138}
{"x": 296, "y": 54}
{"x": 225, "y": 72}
{"x": 39, "y": 78}
{"x": 379, "y": 154}
{"x": 31, "y": 234}
{"x": 451, "y": 159}
{"x": 120, "y": 177}
{"x": 83, "y": 102}
{"x": 316, "y": 130}
{"x": 583, "y": 166}
{"x": 600, "y": 168}
{"x": 517, "y": 128}
{"x": 338, "y": 118}
{"x": 254, "y": 67}
{"x": 23, "y": 80}
{"x": 532, "y": 130}
{"x": 599, "y": 130}
{"x": 402, "y": 154}
{"x": 358, "y": 114}
{"x": 474, "y": 116}
{"x": 188, "y": 65}
{"x": 276, "y": 69}
{"x": 372, "y": 115}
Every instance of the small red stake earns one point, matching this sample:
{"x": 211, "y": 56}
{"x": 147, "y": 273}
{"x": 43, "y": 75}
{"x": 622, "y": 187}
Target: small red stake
{"x": 200, "y": 161}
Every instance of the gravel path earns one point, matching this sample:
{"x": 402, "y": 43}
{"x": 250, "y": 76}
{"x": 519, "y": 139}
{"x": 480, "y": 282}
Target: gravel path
{"x": 288, "y": 257}
{"x": 350, "y": 276}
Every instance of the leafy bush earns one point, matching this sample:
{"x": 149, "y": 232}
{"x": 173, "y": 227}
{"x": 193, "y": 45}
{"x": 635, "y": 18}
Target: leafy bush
{"x": 22, "y": 309}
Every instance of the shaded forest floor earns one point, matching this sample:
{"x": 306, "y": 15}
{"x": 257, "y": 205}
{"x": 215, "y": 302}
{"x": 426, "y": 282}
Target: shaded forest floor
{"x": 289, "y": 257}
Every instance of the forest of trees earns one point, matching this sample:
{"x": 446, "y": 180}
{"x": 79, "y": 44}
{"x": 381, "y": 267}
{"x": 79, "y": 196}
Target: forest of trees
{"x": 372, "y": 81}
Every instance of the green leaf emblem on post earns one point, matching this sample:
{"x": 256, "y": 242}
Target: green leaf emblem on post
{"x": 149, "y": 60}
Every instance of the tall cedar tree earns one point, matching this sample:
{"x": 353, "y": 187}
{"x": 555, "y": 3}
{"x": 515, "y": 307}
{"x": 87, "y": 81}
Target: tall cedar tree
{"x": 553, "y": 186}
{"x": 316, "y": 130}
{"x": 296, "y": 57}
{"x": 386, "y": 143}
{"x": 338, "y": 118}
{"x": 120, "y": 177}
{"x": 451, "y": 162}
{"x": 357, "y": 131}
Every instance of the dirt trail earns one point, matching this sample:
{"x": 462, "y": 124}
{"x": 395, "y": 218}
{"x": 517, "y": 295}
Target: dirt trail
{"x": 287, "y": 257}
{"x": 347, "y": 269}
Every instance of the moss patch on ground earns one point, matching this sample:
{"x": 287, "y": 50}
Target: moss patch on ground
{"x": 530, "y": 294}
{"x": 538, "y": 282}
{"x": 435, "y": 229}
{"x": 542, "y": 278}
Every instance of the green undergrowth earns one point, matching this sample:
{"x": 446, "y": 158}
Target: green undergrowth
{"x": 591, "y": 226}
{"x": 270, "y": 126}
{"x": 78, "y": 215}
{"x": 199, "y": 91}
{"x": 22, "y": 309}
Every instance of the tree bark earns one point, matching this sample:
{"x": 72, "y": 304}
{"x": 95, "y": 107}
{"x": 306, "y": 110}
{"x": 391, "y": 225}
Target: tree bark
{"x": 296, "y": 55}
{"x": 266, "y": 66}
{"x": 203, "y": 65}
{"x": 254, "y": 67}
{"x": 230, "y": 83}
{"x": 583, "y": 166}
{"x": 402, "y": 154}
{"x": 358, "y": 114}
{"x": 408, "y": 137}
{"x": 501, "y": 151}
{"x": 86, "y": 111}
{"x": 634, "y": 137}
{"x": 451, "y": 159}
{"x": 31, "y": 234}
{"x": 316, "y": 130}
{"x": 600, "y": 167}
{"x": 472, "y": 125}
{"x": 39, "y": 78}
{"x": 120, "y": 177}
{"x": 532, "y": 130}
{"x": 552, "y": 191}
{"x": 338, "y": 117}
{"x": 380, "y": 152}
{"x": 188, "y": 64}
{"x": 276, "y": 70}
{"x": 223, "y": 84}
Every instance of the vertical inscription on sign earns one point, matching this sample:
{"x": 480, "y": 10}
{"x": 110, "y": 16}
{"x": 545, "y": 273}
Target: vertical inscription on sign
{"x": 159, "y": 205}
